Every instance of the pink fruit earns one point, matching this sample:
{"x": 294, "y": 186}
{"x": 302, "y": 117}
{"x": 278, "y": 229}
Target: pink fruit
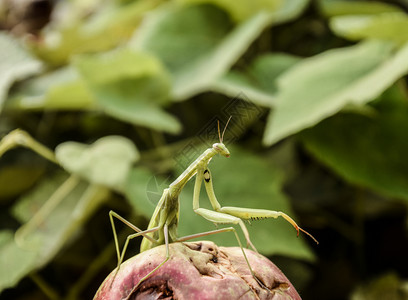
{"x": 197, "y": 270}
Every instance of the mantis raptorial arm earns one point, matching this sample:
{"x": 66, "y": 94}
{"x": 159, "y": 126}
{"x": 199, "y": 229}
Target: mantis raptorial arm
{"x": 256, "y": 214}
{"x": 215, "y": 216}
{"x": 218, "y": 217}
{"x": 246, "y": 213}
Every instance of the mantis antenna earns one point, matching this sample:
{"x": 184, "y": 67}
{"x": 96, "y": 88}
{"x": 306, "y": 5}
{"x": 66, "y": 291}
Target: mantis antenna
{"x": 219, "y": 133}
{"x": 221, "y": 137}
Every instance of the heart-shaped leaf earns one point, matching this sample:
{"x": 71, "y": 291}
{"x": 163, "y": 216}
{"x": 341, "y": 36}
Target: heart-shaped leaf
{"x": 106, "y": 162}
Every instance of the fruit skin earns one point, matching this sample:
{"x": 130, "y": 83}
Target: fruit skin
{"x": 197, "y": 270}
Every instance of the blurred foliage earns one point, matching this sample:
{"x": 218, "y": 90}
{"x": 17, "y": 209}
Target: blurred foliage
{"x": 388, "y": 286}
{"x": 103, "y": 103}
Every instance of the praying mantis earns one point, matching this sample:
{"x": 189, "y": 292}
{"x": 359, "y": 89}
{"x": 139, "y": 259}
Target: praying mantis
{"x": 162, "y": 228}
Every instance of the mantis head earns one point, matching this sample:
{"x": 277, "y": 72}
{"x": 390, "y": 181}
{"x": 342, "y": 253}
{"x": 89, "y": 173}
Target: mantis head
{"x": 221, "y": 149}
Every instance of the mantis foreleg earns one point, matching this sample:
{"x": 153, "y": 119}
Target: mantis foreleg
{"x": 216, "y": 217}
{"x": 245, "y": 213}
{"x": 256, "y": 214}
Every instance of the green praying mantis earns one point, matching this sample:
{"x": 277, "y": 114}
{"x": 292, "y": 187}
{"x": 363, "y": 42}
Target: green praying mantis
{"x": 162, "y": 228}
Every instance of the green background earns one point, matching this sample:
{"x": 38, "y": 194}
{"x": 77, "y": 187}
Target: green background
{"x": 115, "y": 99}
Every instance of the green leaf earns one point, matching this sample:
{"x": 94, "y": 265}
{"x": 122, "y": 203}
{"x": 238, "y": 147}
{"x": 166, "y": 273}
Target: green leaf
{"x": 321, "y": 86}
{"x": 257, "y": 81}
{"x": 266, "y": 68}
{"x": 385, "y": 26}
{"x": 197, "y": 44}
{"x": 332, "y": 8}
{"x": 64, "y": 205}
{"x": 90, "y": 27}
{"x": 130, "y": 86}
{"x": 107, "y": 161}
{"x": 15, "y": 64}
{"x": 368, "y": 152}
{"x": 52, "y": 214}
{"x": 15, "y": 262}
{"x": 259, "y": 186}
{"x": 62, "y": 89}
